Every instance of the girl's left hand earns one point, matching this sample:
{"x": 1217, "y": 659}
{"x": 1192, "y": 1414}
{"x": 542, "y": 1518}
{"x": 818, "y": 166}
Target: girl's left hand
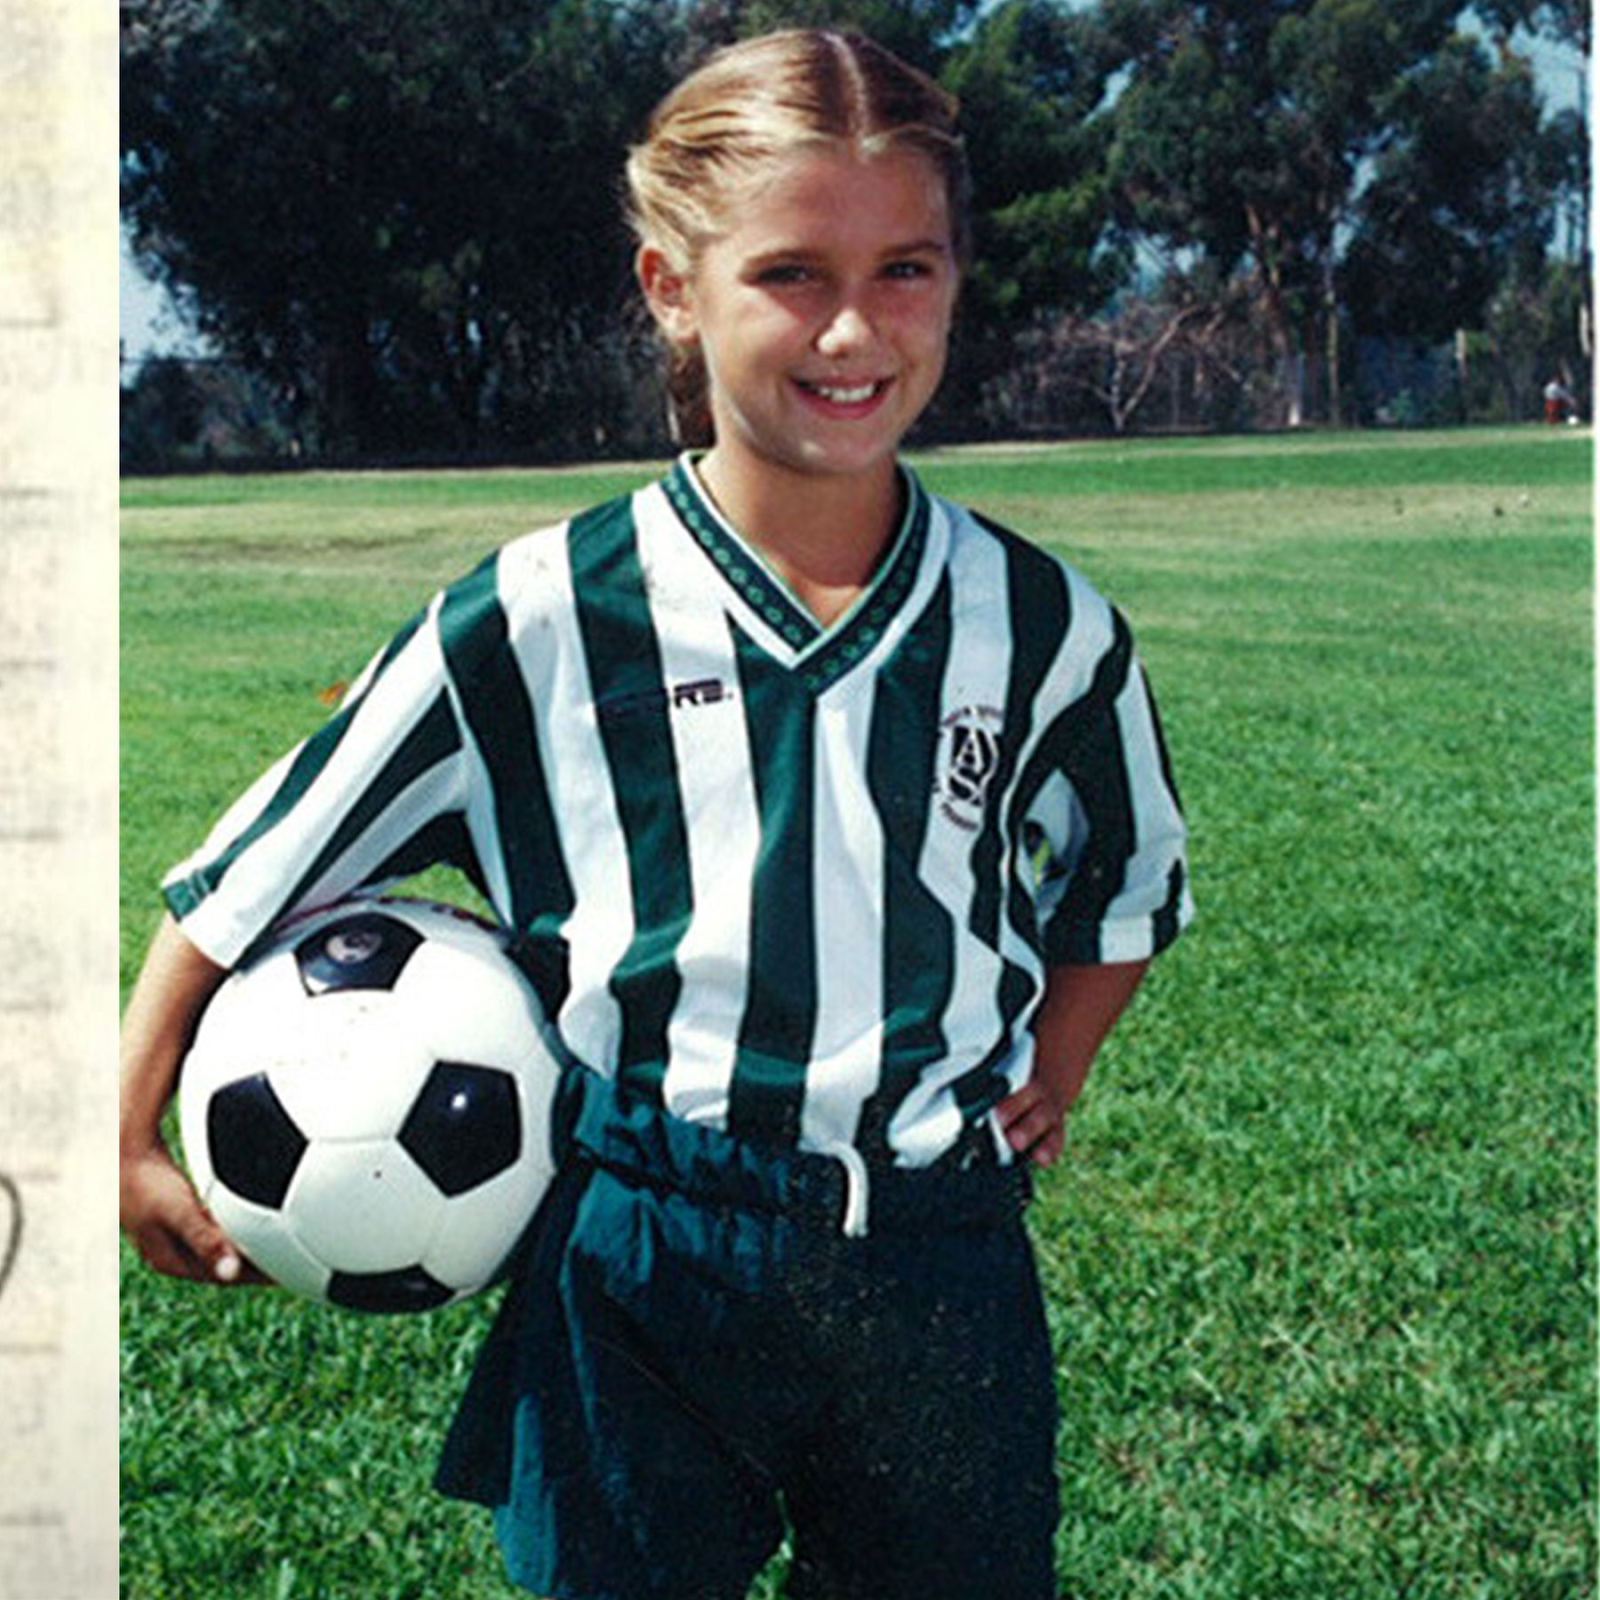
{"x": 1034, "y": 1121}
{"x": 1080, "y": 1007}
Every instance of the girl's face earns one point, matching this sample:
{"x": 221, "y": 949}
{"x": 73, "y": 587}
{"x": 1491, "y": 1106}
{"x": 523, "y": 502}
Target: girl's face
{"x": 823, "y": 313}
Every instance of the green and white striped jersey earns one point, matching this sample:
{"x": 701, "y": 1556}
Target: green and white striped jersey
{"x": 799, "y": 883}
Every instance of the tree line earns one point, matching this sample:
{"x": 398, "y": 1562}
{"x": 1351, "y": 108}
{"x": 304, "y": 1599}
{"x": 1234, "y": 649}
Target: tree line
{"x": 398, "y": 230}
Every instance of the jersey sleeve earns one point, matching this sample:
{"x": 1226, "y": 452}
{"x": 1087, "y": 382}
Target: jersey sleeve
{"x": 376, "y": 794}
{"x": 1105, "y": 834}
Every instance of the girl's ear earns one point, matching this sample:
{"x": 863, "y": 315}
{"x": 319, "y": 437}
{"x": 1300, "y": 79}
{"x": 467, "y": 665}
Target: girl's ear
{"x": 666, "y": 292}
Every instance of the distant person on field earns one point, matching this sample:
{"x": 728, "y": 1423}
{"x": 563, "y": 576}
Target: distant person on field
{"x": 1559, "y": 403}
{"x": 837, "y": 831}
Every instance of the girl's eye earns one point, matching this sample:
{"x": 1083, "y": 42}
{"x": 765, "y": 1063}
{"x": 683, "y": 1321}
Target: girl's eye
{"x": 784, "y": 273}
{"x": 908, "y": 269}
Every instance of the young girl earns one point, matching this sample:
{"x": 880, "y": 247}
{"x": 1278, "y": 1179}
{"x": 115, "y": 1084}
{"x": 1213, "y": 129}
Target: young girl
{"x": 836, "y": 830}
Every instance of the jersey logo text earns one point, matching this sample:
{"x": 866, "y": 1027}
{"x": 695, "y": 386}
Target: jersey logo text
{"x": 674, "y": 697}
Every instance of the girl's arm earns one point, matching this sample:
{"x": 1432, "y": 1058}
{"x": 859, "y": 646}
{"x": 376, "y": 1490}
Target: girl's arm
{"x": 1080, "y": 1007}
{"x": 161, "y": 1213}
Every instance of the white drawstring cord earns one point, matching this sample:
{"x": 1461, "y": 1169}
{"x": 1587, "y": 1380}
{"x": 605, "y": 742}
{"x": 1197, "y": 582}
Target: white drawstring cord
{"x": 857, "y": 1187}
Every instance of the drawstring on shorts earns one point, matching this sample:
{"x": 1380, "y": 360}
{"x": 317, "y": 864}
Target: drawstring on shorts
{"x": 858, "y": 1188}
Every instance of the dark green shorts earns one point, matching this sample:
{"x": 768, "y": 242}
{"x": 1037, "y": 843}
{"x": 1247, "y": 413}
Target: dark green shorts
{"x": 695, "y": 1359}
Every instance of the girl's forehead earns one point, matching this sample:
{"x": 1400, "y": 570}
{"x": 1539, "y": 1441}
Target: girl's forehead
{"x": 832, "y": 190}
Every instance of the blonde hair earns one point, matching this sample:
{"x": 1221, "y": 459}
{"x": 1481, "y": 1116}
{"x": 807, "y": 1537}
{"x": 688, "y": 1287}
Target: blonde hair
{"x": 717, "y": 134}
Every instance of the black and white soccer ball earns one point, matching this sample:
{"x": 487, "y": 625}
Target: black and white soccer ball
{"x": 366, "y": 1106}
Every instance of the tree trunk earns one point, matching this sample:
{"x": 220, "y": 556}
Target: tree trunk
{"x": 1291, "y": 369}
{"x": 349, "y": 391}
{"x": 1333, "y": 353}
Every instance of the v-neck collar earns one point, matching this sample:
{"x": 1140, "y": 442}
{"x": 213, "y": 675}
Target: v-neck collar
{"x": 822, "y": 655}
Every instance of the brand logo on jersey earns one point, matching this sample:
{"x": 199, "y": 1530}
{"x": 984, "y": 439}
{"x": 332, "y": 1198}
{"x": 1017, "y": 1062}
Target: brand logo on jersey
{"x": 674, "y": 697}
{"x": 969, "y": 756}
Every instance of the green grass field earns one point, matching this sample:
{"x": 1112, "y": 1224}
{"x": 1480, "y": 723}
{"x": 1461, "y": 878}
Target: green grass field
{"x": 1320, "y": 1257}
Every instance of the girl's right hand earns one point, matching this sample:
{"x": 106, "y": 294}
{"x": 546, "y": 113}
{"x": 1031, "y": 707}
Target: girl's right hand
{"x": 161, "y": 1213}
{"x": 163, "y": 1218}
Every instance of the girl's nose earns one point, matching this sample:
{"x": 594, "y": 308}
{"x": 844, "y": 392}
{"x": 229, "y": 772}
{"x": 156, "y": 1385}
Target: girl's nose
{"x": 847, "y": 330}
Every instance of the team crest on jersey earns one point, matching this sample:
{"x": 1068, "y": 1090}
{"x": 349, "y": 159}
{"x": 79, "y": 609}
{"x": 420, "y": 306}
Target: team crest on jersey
{"x": 969, "y": 756}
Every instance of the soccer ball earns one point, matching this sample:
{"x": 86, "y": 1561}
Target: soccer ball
{"x": 366, "y": 1105}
